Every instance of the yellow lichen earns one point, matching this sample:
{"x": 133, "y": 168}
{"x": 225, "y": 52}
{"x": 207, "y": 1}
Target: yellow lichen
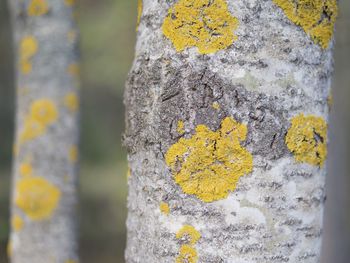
{"x": 210, "y": 163}
{"x": 71, "y": 101}
{"x": 216, "y": 105}
{"x": 38, "y": 8}
{"x": 187, "y": 254}
{"x": 189, "y": 233}
{"x": 69, "y": 2}
{"x": 73, "y": 153}
{"x": 25, "y": 169}
{"x": 205, "y": 24}
{"x": 31, "y": 130}
{"x": 37, "y": 197}
{"x": 307, "y": 139}
{"x": 17, "y": 223}
{"x": 28, "y": 48}
{"x": 43, "y": 111}
{"x": 164, "y": 208}
{"x": 180, "y": 127}
{"x": 316, "y": 17}
{"x": 71, "y": 261}
{"x": 139, "y": 12}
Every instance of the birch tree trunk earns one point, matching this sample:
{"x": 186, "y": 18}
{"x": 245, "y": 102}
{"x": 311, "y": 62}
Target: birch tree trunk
{"x": 44, "y": 200}
{"x": 227, "y": 130}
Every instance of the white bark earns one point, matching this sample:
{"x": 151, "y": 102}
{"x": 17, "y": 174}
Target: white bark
{"x": 272, "y": 73}
{"x": 44, "y": 200}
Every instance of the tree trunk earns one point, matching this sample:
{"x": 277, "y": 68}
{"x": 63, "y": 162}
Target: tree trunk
{"x": 44, "y": 200}
{"x": 227, "y": 131}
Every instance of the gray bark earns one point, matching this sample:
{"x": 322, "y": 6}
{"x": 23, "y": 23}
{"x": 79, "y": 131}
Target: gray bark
{"x": 271, "y": 74}
{"x": 44, "y": 200}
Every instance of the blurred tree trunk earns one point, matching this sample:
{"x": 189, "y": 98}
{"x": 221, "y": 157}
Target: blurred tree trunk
{"x": 44, "y": 200}
{"x": 227, "y": 131}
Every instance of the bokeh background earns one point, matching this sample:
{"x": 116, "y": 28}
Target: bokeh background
{"x": 107, "y": 45}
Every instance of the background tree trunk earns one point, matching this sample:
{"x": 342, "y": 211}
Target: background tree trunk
{"x": 44, "y": 200}
{"x": 226, "y": 131}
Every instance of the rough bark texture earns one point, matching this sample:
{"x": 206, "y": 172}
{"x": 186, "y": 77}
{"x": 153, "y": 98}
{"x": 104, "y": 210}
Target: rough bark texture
{"x": 44, "y": 200}
{"x": 274, "y": 79}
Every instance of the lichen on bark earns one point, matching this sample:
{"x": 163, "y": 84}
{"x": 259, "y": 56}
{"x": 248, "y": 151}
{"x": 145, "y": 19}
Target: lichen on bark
{"x": 178, "y": 99}
{"x": 43, "y": 203}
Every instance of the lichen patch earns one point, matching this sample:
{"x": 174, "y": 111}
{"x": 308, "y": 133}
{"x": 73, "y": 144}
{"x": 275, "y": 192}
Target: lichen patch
{"x": 307, "y": 139}
{"x": 210, "y": 163}
{"x": 17, "y": 223}
{"x": 37, "y": 197}
{"x": 27, "y": 49}
{"x": 187, "y": 254}
{"x": 205, "y": 24}
{"x": 316, "y": 17}
{"x": 164, "y": 208}
{"x": 38, "y": 8}
{"x": 189, "y": 234}
{"x": 43, "y": 112}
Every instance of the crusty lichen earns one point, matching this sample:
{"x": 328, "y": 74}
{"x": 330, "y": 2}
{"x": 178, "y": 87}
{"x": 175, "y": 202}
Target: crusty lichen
{"x": 189, "y": 234}
{"x": 164, "y": 208}
{"x": 36, "y": 197}
{"x": 316, "y": 17}
{"x": 38, "y": 8}
{"x": 307, "y": 139}
{"x": 216, "y": 105}
{"x": 27, "y": 49}
{"x": 25, "y": 169}
{"x": 43, "y": 112}
{"x": 17, "y": 223}
{"x": 210, "y": 163}
{"x": 187, "y": 254}
{"x": 205, "y": 24}
{"x": 180, "y": 127}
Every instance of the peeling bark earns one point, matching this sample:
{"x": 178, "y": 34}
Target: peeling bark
{"x": 44, "y": 200}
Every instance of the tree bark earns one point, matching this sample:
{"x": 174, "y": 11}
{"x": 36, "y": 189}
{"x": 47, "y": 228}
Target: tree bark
{"x": 226, "y": 131}
{"x": 44, "y": 200}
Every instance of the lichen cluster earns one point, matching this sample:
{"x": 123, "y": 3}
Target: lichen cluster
{"x": 189, "y": 236}
{"x": 37, "y": 8}
{"x": 210, "y": 163}
{"x": 307, "y": 139}
{"x": 164, "y": 208}
{"x": 316, "y": 17}
{"x": 205, "y": 24}
{"x": 28, "y": 48}
{"x": 36, "y": 197}
{"x": 43, "y": 112}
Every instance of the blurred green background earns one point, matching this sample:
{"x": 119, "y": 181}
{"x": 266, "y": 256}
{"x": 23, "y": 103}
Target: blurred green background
{"x": 107, "y": 45}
